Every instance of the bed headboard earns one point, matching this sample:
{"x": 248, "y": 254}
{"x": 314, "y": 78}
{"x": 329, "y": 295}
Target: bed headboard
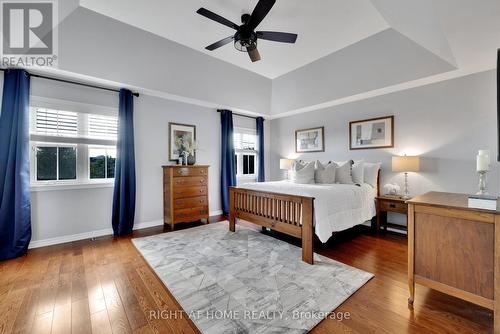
{"x": 378, "y": 182}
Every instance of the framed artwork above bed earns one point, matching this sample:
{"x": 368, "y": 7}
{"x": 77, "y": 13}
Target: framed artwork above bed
{"x": 310, "y": 140}
{"x": 371, "y": 133}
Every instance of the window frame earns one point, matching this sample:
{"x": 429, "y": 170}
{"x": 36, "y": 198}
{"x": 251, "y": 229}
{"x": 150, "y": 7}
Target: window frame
{"x": 34, "y": 163}
{"x": 241, "y": 152}
{"x": 82, "y": 143}
{"x": 100, "y": 147}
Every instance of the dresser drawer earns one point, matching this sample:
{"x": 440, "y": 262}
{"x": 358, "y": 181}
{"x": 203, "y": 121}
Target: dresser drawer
{"x": 190, "y": 171}
{"x": 191, "y": 202}
{"x": 183, "y": 192}
{"x": 393, "y": 206}
{"x": 190, "y": 214}
{"x": 190, "y": 181}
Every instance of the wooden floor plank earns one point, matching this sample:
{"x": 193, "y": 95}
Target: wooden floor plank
{"x": 80, "y": 317}
{"x": 105, "y": 286}
{"x": 61, "y": 322}
{"x": 100, "y": 323}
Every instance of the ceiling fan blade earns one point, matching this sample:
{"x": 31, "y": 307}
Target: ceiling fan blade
{"x": 283, "y": 37}
{"x": 259, "y": 13}
{"x": 220, "y": 43}
{"x": 217, "y": 18}
{"x": 254, "y": 54}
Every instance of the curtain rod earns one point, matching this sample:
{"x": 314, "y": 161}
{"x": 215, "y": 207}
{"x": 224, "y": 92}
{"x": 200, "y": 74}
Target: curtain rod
{"x": 241, "y": 115}
{"x": 72, "y": 82}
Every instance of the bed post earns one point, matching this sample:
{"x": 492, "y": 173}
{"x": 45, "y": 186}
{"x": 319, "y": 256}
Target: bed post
{"x": 232, "y": 218}
{"x": 307, "y": 231}
{"x": 378, "y": 182}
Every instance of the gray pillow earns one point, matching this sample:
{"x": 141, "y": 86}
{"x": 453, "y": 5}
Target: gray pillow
{"x": 343, "y": 172}
{"x": 324, "y": 173}
{"x": 302, "y": 173}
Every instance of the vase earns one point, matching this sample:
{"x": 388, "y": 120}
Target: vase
{"x": 191, "y": 160}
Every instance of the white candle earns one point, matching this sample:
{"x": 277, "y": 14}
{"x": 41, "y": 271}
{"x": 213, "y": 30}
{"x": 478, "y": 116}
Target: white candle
{"x": 483, "y": 161}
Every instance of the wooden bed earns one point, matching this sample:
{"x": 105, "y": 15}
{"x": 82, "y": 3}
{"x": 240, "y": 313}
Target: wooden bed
{"x": 289, "y": 214}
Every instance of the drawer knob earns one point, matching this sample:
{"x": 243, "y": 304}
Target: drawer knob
{"x": 392, "y": 205}
{"x": 201, "y": 190}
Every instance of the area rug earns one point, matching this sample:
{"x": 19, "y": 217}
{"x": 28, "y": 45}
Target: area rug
{"x": 247, "y": 282}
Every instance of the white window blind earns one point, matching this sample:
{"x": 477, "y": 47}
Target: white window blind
{"x": 102, "y": 126}
{"x": 56, "y": 122}
{"x": 244, "y": 139}
{"x": 60, "y": 126}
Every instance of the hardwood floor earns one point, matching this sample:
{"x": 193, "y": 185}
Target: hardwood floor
{"x": 104, "y": 286}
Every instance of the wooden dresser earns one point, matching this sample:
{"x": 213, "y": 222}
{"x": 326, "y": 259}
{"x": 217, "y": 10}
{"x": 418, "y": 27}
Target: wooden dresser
{"x": 455, "y": 249}
{"x": 185, "y": 194}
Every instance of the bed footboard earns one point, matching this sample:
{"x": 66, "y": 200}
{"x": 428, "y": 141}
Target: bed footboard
{"x": 289, "y": 214}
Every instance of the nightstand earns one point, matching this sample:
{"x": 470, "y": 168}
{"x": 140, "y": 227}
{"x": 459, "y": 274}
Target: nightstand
{"x": 388, "y": 203}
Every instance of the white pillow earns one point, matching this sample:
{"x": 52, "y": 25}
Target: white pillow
{"x": 324, "y": 174}
{"x": 358, "y": 172}
{"x": 343, "y": 172}
{"x": 302, "y": 173}
{"x": 371, "y": 173}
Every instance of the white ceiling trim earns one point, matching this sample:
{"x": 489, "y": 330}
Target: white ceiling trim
{"x": 67, "y": 75}
{"x": 383, "y": 91}
{"x": 349, "y": 99}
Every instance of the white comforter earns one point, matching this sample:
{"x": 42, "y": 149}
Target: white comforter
{"x": 337, "y": 207}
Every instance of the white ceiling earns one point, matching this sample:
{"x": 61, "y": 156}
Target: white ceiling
{"x": 323, "y": 26}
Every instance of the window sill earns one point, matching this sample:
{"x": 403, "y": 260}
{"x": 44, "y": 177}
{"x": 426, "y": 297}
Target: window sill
{"x": 70, "y": 186}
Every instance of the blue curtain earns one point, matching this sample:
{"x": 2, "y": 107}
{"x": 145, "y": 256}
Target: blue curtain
{"x": 15, "y": 205}
{"x": 228, "y": 161}
{"x": 124, "y": 192}
{"x": 261, "y": 176}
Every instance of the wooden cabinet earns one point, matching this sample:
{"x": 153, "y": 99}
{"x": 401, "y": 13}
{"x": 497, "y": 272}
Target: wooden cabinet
{"x": 185, "y": 194}
{"x": 455, "y": 249}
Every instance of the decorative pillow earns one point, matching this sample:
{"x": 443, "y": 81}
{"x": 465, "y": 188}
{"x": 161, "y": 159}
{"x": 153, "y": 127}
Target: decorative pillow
{"x": 358, "y": 172}
{"x": 343, "y": 172}
{"x": 371, "y": 173}
{"x": 324, "y": 174}
{"x": 302, "y": 173}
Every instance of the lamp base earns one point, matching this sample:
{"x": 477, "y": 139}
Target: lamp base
{"x": 406, "y": 195}
{"x": 482, "y": 183}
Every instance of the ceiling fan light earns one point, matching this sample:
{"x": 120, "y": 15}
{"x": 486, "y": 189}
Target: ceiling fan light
{"x": 244, "y": 45}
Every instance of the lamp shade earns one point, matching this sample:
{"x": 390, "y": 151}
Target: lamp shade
{"x": 405, "y": 164}
{"x": 286, "y": 163}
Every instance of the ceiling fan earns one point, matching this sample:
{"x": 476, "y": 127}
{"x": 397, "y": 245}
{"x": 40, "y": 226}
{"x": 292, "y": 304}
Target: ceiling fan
{"x": 245, "y": 38}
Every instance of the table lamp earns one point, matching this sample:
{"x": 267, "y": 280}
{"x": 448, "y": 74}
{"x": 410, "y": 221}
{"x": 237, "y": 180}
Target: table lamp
{"x": 286, "y": 164}
{"x": 406, "y": 164}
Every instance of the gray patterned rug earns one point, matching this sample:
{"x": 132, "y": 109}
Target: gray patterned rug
{"x": 247, "y": 282}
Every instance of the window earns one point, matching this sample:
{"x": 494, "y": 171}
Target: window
{"x": 245, "y": 146}
{"x": 70, "y": 147}
{"x": 102, "y": 163}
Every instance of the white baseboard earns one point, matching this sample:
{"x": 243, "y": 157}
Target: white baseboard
{"x": 97, "y": 233}
{"x": 87, "y": 235}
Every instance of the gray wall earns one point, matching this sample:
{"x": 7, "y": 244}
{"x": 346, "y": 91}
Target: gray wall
{"x": 446, "y": 123}
{"x": 59, "y": 213}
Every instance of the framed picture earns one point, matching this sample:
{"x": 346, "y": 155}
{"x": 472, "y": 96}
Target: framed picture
{"x": 371, "y": 133}
{"x": 179, "y": 132}
{"x": 310, "y": 140}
